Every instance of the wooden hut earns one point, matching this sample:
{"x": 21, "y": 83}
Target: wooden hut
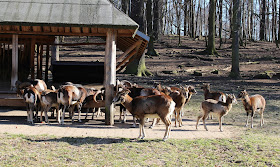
{"x": 31, "y": 23}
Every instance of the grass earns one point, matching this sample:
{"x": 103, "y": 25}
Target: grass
{"x": 250, "y": 149}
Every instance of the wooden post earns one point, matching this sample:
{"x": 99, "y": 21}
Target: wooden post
{"x": 38, "y": 61}
{"x": 47, "y": 63}
{"x": 55, "y": 50}
{"x": 41, "y": 61}
{"x": 14, "y": 76}
{"x": 110, "y": 75}
{"x": 32, "y": 52}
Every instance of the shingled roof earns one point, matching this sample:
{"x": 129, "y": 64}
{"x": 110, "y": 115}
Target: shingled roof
{"x": 98, "y": 13}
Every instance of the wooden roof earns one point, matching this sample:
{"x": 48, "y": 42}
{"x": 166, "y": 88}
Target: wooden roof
{"x": 63, "y": 17}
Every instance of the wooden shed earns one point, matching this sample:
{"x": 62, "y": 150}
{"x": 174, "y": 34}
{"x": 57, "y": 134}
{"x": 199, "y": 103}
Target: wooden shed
{"x": 27, "y": 24}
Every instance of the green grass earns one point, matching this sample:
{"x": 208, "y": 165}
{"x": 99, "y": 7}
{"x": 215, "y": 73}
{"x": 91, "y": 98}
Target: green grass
{"x": 249, "y": 149}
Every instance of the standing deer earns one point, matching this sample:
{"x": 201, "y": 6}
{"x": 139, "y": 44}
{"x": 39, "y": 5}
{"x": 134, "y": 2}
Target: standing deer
{"x": 217, "y": 107}
{"x": 142, "y": 107}
{"x": 252, "y": 104}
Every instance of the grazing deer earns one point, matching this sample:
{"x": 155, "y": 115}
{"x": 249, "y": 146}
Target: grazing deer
{"x": 142, "y": 107}
{"x": 217, "y": 107}
{"x": 32, "y": 99}
{"x": 252, "y": 104}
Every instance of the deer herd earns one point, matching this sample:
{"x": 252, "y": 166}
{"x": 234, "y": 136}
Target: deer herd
{"x": 159, "y": 102}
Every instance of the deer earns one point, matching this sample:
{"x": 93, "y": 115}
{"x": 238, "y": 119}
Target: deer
{"x": 217, "y": 107}
{"x": 32, "y": 100}
{"x": 253, "y": 104}
{"x": 153, "y": 106}
{"x": 90, "y": 102}
{"x": 49, "y": 100}
{"x": 219, "y": 96}
{"x": 38, "y": 84}
{"x": 71, "y": 96}
{"x": 135, "y": 90}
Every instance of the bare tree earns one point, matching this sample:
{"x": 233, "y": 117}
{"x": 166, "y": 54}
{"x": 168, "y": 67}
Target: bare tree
{"x": 211, "y": 50}
{"x": 262, "y": 23}
{"x": 235, "y": 72}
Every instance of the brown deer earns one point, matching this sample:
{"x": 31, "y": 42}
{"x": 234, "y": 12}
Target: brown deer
{"x": 219, "y": 96}
{"x": 71, "y": 96}
{"x": 217, "y": 107}
{"x": 142, "y": 107}
{"x": 91, "y": 103}
{"x": 252, "y": 104}
{"x": 32, "y": 100}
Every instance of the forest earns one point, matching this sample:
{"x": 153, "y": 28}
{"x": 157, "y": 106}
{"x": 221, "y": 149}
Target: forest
{"x": 237, "y": 20}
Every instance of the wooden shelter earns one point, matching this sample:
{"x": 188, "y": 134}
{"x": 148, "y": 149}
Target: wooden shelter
{"x": 31, "y": 23}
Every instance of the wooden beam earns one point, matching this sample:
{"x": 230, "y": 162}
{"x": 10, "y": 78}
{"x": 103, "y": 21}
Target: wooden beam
{"x": 129, "y": 49}
{"x": 128, "y": 57}
{"x": 110, "y": 75}
{"x": 14, "y": 76}
{"x": 38, "y": 62}
{"x": 47, "y": 64}
{"x": 55, "y": 50}
{"x": 41, "y": 62}
{"x": 32, "y": 52}
{"x": 78, "y": 44}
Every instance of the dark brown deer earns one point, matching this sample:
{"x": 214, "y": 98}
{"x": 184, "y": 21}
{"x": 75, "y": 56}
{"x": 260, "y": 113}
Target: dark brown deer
{"x": 142, "y": 107}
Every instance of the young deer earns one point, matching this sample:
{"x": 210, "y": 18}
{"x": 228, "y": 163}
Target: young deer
{"x": 142, "y": 107}
{"x": 252, "y": 104}
{"x": 219, "y": 96}
{"x": 217, "y": 107}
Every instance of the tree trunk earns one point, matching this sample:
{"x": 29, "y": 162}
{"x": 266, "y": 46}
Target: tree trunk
{"x": 185, "y": 17}
{"x": 125, "y": 6}
{"x": 262, "y": 23}
{"x": 277, "y": 43}
{"x": 137, "y": 66}
{"x": 235, "y": 72}
{"x": 211, "y": 50}
{"x": 220, "y": 22}
{"x": 151, "y": 50}
{"x": 137, "y": 13}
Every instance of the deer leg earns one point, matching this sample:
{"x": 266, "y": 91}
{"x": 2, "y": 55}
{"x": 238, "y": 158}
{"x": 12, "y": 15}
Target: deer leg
{"x": 203, "y": 118}
{"x": 198, "y": 118}
{"x": 63, "y": 115}
{"x": 262, "y": 120}
{"x": 167, "y": 123}
{"x": 79, "y": 112}
{"x": 252, "y": 116}
{"x": 220, "y": 123}
{"x": 153, "y": 124}
{"x": 31, "y": 114}
{"x": 247, "y": 121}
{"x": 143, "y": 128}
{"x": 180, "y": 118}
{"x": 134, "y": 122}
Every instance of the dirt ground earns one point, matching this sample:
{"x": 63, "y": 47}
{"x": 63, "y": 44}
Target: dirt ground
{"x": 175, "y": 65}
